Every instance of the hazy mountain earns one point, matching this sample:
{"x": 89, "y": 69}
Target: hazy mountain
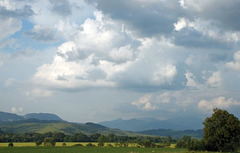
{"x": 6, "y": 117}
{"x": 43, "y": 116}
{"x": 142, "y": 124}
{"x": 173, "y": 133}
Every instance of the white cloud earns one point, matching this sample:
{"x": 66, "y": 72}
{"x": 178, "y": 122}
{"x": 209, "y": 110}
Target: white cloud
{"x": 215, "y": 80}
{"x": 191, "y": 80}
{"x": 9, "y": 82}
{"x": 144, "y": 103}
{"x": 182, "y": 23}
{"x": 235, "y": 65}
{"x": 9, "y": 26}
{"x": 219, "y": 102}
{"x": 164, "y": 98}
{"x": 37, "y": 93}
{"x": 17, "y": 110}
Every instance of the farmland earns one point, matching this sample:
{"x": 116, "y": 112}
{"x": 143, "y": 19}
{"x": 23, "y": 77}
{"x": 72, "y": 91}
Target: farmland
{"x": 90, "y": 150}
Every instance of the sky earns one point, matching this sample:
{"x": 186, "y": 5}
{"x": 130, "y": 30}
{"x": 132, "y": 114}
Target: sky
{"x": 99, "y": 60}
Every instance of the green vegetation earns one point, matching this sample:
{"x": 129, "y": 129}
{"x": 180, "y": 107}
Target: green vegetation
{"x": 221, "y": 131}
{"x": 40, "y": 126}
{"x": 89, "y": 150}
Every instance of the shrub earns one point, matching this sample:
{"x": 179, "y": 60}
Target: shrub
{"x": 10, "y": 144}
{"x": 78, "y": 145}
{"x": 90, "y": 145}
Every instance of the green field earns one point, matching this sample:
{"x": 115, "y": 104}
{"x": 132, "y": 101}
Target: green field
{"x": 88, "y": 150}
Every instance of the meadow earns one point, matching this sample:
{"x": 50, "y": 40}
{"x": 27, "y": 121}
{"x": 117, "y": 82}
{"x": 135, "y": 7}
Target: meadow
{"x": 90, "y": 150}
{"x": 70, "y": 148}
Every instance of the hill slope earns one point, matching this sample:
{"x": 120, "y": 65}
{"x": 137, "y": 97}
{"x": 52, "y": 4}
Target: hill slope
{"x": 41, "y": 126}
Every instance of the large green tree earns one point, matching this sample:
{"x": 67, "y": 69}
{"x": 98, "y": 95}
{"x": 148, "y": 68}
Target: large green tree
{"x": 221, "y": 131}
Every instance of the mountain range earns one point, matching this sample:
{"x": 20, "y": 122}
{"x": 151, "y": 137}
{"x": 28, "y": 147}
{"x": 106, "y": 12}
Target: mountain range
{"x": 142, "y": 124}
{"x": 45, "y": 122}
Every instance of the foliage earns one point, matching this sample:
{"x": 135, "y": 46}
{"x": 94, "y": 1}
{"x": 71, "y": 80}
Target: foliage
{"x": 49, "y": 142}
{"x": 101, "y": 140}
{"x": 190, "y": 143}
{"x": 90, "y": 145}
{"x": 221, "y": 131}
{"x": 10, "y": 144}
{"x": 78, "y": 145}
{"x": 38, "y": 142}
{"x": 90, "y": 150}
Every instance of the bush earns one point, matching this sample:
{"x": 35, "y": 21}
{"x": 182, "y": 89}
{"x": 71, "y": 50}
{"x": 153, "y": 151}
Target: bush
{"x": 49, "y": 142}
{"x": 10, "y": 144}
{"x": 78, "y": 145}
{"x": 38, "y": 143}
{"x": 90, "y": 145}
{"x": 109, "y": 145}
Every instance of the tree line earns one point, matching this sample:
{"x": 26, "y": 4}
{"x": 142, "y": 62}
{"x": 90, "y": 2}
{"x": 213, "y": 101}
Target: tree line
{"x": 51, "y": 138}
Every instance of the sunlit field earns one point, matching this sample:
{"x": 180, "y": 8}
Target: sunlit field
{"x": 70, "y": 148}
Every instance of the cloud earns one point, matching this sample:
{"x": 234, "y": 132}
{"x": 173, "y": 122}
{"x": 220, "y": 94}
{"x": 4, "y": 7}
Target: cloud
{"x": 61, "y": 7}
{"x": 235, "y": 65}
{"x": 24, "y": 12}
{"x": 17, "y": 110}
{"x": 144, "y": 103}
{"x": 216, "y": 10}
{"x": 215, "y": 80}
{"x": 37, "y": 93}
{"x": 9, "y": 26}
{"x": 219, "y": 102}
{"x": 147, "y": 18}
{"x": 42, "y": 34}
{"x": 9, "y": 82}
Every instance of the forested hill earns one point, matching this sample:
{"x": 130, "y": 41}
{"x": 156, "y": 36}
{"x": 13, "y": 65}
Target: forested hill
{"x": 44, "y": 126}
{"x": 173, "y": 133}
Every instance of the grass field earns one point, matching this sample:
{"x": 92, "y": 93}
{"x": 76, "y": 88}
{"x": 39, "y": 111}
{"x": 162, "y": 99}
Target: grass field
{"x": 31, "y": 148}
{"x": 88, "y": 150}
{"x": 68, "y": 144}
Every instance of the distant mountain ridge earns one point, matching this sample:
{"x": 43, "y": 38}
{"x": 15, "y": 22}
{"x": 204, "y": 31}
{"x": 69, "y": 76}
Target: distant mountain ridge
{"x": 7, "y": 117}
{"x": 173, "y": 133}
{"x": 43, "y": 116}
{"x": 142, "y": 124}
{"x": 10, "y": 117}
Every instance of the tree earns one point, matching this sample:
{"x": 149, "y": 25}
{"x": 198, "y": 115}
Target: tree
{"x": 38, "y": 142}
{"x": 221, "y": 131}
{"x": 48, "y": 142}
{"x": 101, "y": 140}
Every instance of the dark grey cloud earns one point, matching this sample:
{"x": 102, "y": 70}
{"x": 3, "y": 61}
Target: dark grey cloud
{"x": 148, "y": 18}
{"x": 26, "y": 11}
{"x": 194, "y": 39}
{"x": 226, "y": 13}
{"x": 61, "y": 7}
{"x": 42, "y": 34}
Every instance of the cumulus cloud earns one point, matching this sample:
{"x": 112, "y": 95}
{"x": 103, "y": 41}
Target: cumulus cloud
{"x": 144, "y": 103}
{"x": 61, "y": 7}
{"x": 16, "y": 109}
{"x": 235, "y": 65}
{"x": 109, "y": 60}
{"x": 215, "y": 80}
{"x": 42, "y": 34}
{"x": 219, "y": 102}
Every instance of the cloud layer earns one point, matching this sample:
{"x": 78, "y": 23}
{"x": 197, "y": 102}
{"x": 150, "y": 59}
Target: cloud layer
{"x": 170, "y": 57}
